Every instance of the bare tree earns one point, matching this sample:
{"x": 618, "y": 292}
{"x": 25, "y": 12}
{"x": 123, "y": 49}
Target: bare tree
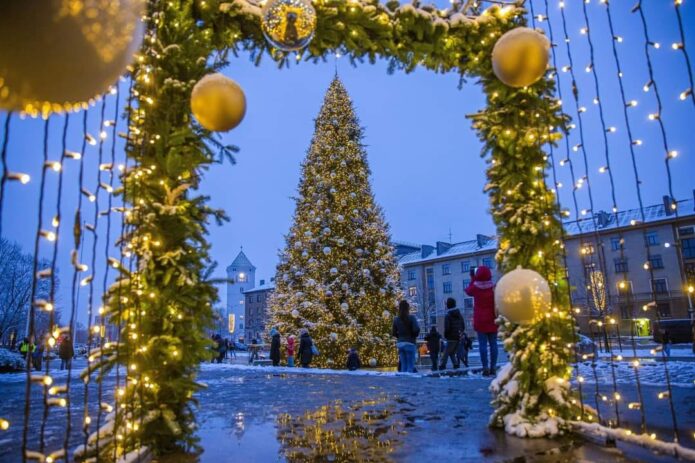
{"x": 15, "y": 293}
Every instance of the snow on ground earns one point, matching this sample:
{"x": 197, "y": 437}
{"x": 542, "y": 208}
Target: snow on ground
{"x": 652, "y": 373}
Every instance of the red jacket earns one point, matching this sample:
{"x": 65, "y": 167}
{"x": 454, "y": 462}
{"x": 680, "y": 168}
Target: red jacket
{"x": 290, "y": 347}
{"x": 482, "y": 290}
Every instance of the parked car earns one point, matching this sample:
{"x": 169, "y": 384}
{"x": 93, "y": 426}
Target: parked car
{"x": 680, "y": 330}
{"x": 585, "y": 346}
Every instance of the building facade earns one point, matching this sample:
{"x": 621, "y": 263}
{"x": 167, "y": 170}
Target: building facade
{"x": 630, "y": 267}
{"x": 257, "y": 310}
{"x": 241, "y": 277}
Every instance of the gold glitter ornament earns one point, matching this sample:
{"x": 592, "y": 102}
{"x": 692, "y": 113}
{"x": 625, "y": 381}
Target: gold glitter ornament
{"x": 288, "y": 25}
{"x": 57, "y": 55}
{"x": 218, "y": 103}
{"x": 521, "y": 295}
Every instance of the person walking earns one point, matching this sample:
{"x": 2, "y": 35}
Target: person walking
{"x": 406, "y": 330}
{"x": 37, "y": 355}
{"x": 434, "y": 343}
{"x": 231, "y": 348}
{"x": 306, "y": 348}
{"x": 66, "y": 352}
{"x": 482, "y": 290}
{"x": 221, "y": 349}
{"x": 353, "y": 360}
{"x": 27, "y": 348}
{"x": 275, "y": 347}
{"x": 453, "y": 327}
{"x": 290, "y": 350}
{"x": 253, "y": 351}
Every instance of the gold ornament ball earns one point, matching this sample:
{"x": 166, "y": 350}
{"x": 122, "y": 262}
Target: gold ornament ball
{"x": 520, "y": 57}
{"x": 56, "y": 55}
{"x": 522, "y": 294}
{"x": 288, "y": 25}
{"x": 218, "y": 103}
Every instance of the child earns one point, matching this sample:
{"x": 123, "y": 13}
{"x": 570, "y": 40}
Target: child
{"x": 353, "y": 360}
{"x": 290, "y": 351}
{"x": 464, "y": 347}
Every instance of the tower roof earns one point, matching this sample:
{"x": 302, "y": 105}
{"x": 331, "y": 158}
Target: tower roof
{"x": 241, "y": 261}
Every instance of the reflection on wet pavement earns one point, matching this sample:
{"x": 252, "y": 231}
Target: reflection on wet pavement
{"x": 368, "y": 430}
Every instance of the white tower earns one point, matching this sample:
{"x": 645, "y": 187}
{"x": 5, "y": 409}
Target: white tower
{"x": 242, "y": 277}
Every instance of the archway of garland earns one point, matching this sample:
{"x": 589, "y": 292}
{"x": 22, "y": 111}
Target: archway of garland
{"x": 162, "y": 299}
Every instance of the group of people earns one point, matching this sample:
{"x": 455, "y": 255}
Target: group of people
{"x": 222, "y": 347}
{"x": 33, "y": 353}
{"x": 455, "y": 343}
{"x": 304, "y": 353}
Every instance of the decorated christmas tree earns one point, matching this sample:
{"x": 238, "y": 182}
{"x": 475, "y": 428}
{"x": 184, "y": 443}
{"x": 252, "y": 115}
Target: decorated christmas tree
{"x": 337, "y": 276}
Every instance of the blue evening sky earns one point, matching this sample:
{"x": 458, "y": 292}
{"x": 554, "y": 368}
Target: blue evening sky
{"x": 426, "y": 170}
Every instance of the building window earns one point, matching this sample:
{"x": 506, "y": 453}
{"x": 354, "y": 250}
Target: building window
{"x": 465, "y": 266}
{"x": 488, "y": 262}
{"x": 660, "y": 286}
{"x": 447, "y": 287}
{"x": 250, "y": 298}
{"x": 684, "y": 231}
{"x": 656, "y": 262}
{"x": 652, "y": 238}
{"x": 446, "y": 269}
{"x": 466, "y": 282}
{"x": 589, "y": 268}
{"x": 468, "y": 303}
{"x": 616, "y": 244}
{"x": 625, "y": 311}
{"x": 620, "y": 265}
{"x": 664, "y": 309}
{"x": 412, "y": 291}
{"x": 688, "y": 247}
{"x": 411, "y": 274}
{"x": 241, "y": 278}
{"x": 258, "y": 298}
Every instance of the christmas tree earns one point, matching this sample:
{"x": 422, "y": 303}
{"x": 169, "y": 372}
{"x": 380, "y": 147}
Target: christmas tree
{"x": 337, "y": 276}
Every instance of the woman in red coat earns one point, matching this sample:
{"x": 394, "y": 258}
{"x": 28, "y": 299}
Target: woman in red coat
{"x": 482, "y": 290}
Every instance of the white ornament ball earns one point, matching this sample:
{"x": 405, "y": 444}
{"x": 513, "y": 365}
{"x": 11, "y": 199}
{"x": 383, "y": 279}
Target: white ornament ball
{"x": 327, "y": 250}
{"x": 520, "y": 57}
{"x": 386, "y": 314}
{"x": 334, "y": 271}
{"x": 288, "y": 25}
{"x": 372, "y": 362}
{"x": 54, "y": 57}
{"x": 344, "y": 306}
{"x": 218, "y": 103}
{"x": 334, "y": 336}
{"x": 295, "y": 313}
{"x": 521, "y": 295}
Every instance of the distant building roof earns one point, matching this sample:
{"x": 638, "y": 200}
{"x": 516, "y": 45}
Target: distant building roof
{"x": 241, "y": 261}
{"x": 264, "y": 287}
{"x": 447, "y": 250}
{"x": 609, "y": 221}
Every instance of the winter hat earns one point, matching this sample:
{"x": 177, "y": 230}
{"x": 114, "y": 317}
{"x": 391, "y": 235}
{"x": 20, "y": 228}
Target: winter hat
{"x": 450, "y": 303}
{"x": 483, "y": 273}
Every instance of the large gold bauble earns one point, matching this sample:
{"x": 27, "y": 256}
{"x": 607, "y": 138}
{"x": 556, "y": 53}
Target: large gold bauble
{"x": 56, "y": 55}
{"x": 288, "y": 25}
{"x": 520, "y": 57}
{"x": 522, "y": 294}
{"x": 218, "y": 103}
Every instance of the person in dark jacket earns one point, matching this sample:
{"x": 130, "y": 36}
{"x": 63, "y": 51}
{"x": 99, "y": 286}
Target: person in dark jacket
{"x": 482, "y": 290}
{"x": 406, "y": 330}
{"x": 306, "y": 349}
{"x": 353, "y": 360}
{"x": 453, "y": 327}
{"x": 221, "y": 349}
{"x": 66, "y": 352}
{"x": 434, "y": 343}
{"x": 666, "y": 343}
{"x": 275, "y": 347}
{"x": 465, "y": 345}
{"x": 37, "y": 356}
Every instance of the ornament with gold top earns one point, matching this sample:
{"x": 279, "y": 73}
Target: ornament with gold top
{"x": 288, "y": 25}
{"x": 218, "y": 103}
{"x": 520, "y": 57}
{"x": 57, "y": 55}
{"x": 521, "y": 295}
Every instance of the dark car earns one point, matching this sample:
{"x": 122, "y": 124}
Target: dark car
{"x": 680, "y": 330}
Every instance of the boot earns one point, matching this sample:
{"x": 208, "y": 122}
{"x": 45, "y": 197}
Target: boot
{"x": 486, "y": 372}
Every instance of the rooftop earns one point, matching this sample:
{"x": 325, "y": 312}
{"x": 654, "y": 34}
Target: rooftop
{"x": 241, "y": 261}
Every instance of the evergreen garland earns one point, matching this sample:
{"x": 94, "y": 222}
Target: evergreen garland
{"x": 167, "y": 308}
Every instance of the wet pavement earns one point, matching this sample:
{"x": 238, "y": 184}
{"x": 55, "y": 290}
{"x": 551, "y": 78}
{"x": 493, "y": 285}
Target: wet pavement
{"x": 266, "y": 415}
